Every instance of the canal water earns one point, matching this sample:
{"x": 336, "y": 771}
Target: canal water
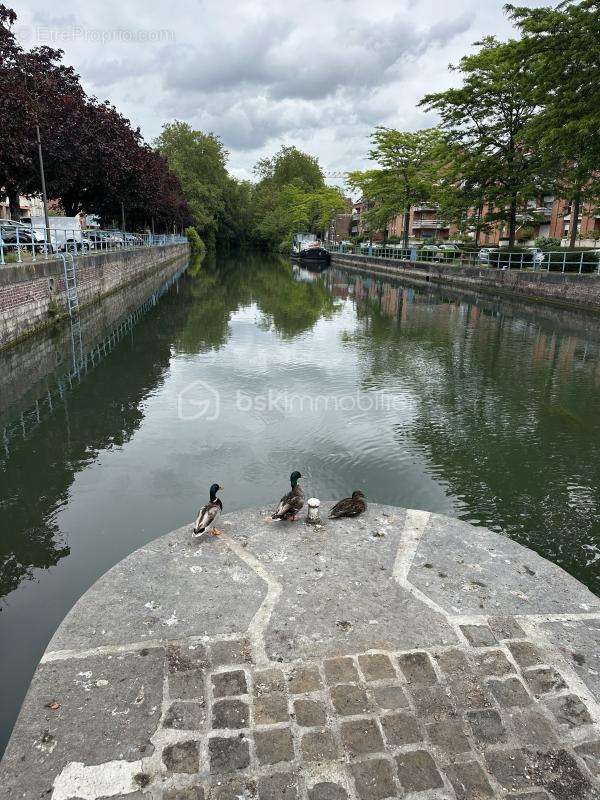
{"x": 246, "y": 369}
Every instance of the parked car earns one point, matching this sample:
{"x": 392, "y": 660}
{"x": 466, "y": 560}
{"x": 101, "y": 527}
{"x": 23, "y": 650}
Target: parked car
{"x": 132, "y": 240}
{"x": 538, "y": 255}
{"x": 16, "y": 235}
{"x": 485, "y": 253}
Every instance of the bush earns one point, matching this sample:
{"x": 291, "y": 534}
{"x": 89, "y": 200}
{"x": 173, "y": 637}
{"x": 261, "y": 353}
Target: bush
{"x": 197, "y": 246}
{"x": 547, "y": 242}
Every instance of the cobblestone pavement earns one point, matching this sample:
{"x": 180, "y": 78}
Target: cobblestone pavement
{"x": 496, "y": 704}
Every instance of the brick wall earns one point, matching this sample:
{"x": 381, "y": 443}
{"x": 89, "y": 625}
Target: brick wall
{"x": 27, "y": 290}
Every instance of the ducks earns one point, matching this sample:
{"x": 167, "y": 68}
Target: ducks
{"x": 349, "y": 506}
{"x": 292, "y": 502}
{"x": 209, "y": 513}
{"x": 288, "y": 509}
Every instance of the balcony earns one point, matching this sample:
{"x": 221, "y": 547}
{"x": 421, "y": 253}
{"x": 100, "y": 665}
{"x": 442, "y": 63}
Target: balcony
{"x": 429, "y": 223}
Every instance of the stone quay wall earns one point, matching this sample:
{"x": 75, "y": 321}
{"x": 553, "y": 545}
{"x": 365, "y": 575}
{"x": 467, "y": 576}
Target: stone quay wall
{"x": 33, "y": 295}
{"x": 567, "y": 290}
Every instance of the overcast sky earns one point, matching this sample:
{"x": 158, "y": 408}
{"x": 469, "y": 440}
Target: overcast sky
{"x": 261, "y": 73}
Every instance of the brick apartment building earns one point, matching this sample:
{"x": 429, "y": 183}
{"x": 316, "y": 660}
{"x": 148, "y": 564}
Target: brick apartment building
{"x": 542, "y": 216}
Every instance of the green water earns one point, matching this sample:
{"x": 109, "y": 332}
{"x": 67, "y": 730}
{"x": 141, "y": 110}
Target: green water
{"x": 472, "y": 408}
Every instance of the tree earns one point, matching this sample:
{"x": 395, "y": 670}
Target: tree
{"x": 407, "y": 175}
{"x": 198, "y": 159}
{"x": 562, "y": 44}
{"x": 488, "y": 119}
{"x": 288, "y": 165}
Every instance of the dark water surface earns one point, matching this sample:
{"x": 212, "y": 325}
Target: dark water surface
{"x": 246, "y": 370}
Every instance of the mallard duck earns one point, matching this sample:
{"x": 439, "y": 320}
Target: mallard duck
{"x": 208, "y": 513}
{"x": 349, "y": 506}
{"x": 291, "y": 503}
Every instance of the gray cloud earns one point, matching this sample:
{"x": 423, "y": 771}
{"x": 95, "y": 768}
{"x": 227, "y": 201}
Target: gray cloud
{"x": 260, "y": 73}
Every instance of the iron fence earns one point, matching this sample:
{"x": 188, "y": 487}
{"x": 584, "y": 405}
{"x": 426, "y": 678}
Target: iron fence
{"x": 581, "y": 262}
{"x": 21, "y": 243}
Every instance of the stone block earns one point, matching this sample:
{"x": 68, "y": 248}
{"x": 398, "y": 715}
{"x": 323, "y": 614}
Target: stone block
{"x": 228, "y": 754}
{"x": 233, "y": 788}
{"x": 340, "y": 670}
{"x": 449, "y": 737}
{"x": 417, "y": 771}
{"x": 509, "y": 692}
{"x": 187, "y": 685}
{"x": 492, "y": 663}
{"x": 569, "y": 710}
{"x": 401, "y": 729}
{"x": 469, "y": 781}
{"x": 374, "y": 779}
{"x": 270, "y": 709}
{"x": 274, "y": 746}
{"x": 280, "y": 786}
{"x": 389, "y": 697}
{"x": 230, "y": 714}
{"x": 181, "y": 757}
{"x": 327, "y": 791}
{"x": 433, "y": 702}
{"x": 268, "y": 681}
{"x": 417, "y": 669}
{"x": 361, "y": 736}
{"x": 376, "y": 667}
{"x": 479, "y": 635}
{"x": 525, "y": 654}
{"x": 350, "y": 700}
{"x": 544, "y": 680}
{"x": 185, "y": 716}
{"x": 486, "y": 726}
{"x": 304, "y": 679}
{"x": 506, "y": 628}
{"x": 309, "y": 713}
{"x": 319, "y": 746}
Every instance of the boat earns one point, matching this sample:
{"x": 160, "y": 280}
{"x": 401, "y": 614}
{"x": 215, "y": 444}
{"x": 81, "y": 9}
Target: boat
{"x": 307, "y": 249}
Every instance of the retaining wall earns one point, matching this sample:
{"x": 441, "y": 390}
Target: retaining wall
{"x": 27, "y": 291}
{"x": 568, "y": 290}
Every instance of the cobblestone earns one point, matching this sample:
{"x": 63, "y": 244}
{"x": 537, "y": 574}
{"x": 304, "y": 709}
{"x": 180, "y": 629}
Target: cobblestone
{"x": 274, "y": 746}
{"x": 319, "y": 746}
{"x": 309, "y": 713}
{"x": 417, "y": 771}
{"x": 401, "y": 729}
{"x": 374, "y": 779}
{"x": 361, "y": 736}
{"x": 271, "y": 708}
{"x": 376, "y": 667}
{"x": 229, "y": 683}
{"x": 479, "y": 635}
{"x": 418, "y": 669}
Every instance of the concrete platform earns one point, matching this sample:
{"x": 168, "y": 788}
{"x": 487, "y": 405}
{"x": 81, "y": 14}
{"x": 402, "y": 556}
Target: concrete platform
{"x": 402, "y": 654}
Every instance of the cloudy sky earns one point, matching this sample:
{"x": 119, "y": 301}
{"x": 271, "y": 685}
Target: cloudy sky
{"x": 319, "y": 74}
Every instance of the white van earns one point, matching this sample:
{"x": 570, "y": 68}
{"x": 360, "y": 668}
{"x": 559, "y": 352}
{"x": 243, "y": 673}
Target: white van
{"x": 65, "y": 232}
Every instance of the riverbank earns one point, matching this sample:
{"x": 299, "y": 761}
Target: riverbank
{"x": 364, "y": 659}
{"x": 565, "y": 290}
{"x": 33, "y": 296}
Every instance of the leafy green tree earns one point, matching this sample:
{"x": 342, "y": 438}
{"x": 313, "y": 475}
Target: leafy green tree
{"x": 563, "y": 48}
{"x": 291, "y": 196}
{"x": 406, "y": 177}
{"x": 488, "y": 119}
{"x": 198, "y": 159}
{"x": 290, "y": 165}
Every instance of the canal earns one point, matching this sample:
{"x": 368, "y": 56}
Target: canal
{"x": 245, "y": 369}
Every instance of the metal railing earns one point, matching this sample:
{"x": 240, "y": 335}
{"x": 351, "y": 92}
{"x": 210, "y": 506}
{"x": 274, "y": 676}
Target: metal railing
{"x": 27, "y": 243}
{"x": 585, "y": 261}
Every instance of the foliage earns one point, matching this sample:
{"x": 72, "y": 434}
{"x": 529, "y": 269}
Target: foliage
{"x": 487, "y": 119}
{"x": 94, "y": 161}
{"x": 546, "y": 242}
{"x": 406, "y": 175}
{"x": 197, "y": 246}
{"x": 562, "y": 44}
{"x": 291, "y": 196}
{"x": 198, "y": 159}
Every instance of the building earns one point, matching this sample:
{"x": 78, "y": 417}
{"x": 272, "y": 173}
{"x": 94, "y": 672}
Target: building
{"x": 424, "y": 224}
{"x": 29, "y": 207}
